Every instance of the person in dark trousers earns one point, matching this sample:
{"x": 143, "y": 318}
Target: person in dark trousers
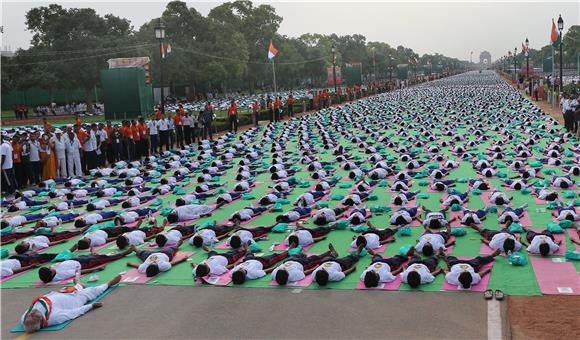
{"x": 233, "y": 116}
{"x": 290, "y": 106}
{"x": 207, "y": 119}
{"x": 270, "y": 106}
{"x": 256, "y": 112}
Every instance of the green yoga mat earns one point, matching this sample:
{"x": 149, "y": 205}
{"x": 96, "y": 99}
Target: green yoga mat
{"x": 20, "y": 328}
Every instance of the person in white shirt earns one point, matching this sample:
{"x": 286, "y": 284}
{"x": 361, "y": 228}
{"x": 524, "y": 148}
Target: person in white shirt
{"x": 34, "y": 158}
{"x": 60, "y": 148}
{"x": 34, "y": 243}
{"x": 542, "y": 243}
{"x": 174, "y": 235}
{"x": 335, "y": 269}
{"x": 22, "y": 262}
{"x": 56, "y": 308}
{"x": 374, "y": 238}
{"x": 432, "y": 241}
{"x": 466, "y": 273}
{"x": 218, "y": 264}
{"x": 7, "y": 163}
{"x": 504, "y": 240}
{"x": 73, "y": 155}
{"x": 79, "y": 265}
{"x": 156, "y": 261}
{"x": 296, "y": 267}
{"x": 420, "y": 271}
{"x": 211, "y": 235}
{"x": 383, "y": 270}
{"x": 254, "y": 267}
{"x": 189, "y": 212}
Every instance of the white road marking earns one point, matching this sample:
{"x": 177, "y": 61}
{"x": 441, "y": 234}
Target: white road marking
{"x": 494, "y": 327}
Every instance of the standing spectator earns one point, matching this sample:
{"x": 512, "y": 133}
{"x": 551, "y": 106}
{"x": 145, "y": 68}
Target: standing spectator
{"x": 144, "y": 147}
{"x": 290, "y": 106}
{"x": 536, "y": 89}
{"x": 187, "y": 124}
{"x": 233, "y": 116}
{"x": 73, "y": 154}
{"x": 47, "y": 126}
{"x": 163, "y": 128}
{"x": 207, "y": 117}
{"x": 34, "y": 159}
{"x": 77, "y": 120}
{"x": 81, "y": 135}
{"x": 256, "y": 112}
{"x": 277, "y": 109}
{"x": 110, "y": 151}
{"x": 117, "y": 143}
{"x": 27, "y": 173}
{"x": 171, "y": 131}
{"x": 270, "y": 107}
{"x": 128, "y": 146}
{"x": 573, "y": 107}
{"x": 102, "y": 147}
{"x": 136, "y": 140}
{"x": 153, "y": 125}
{"x": 49, "y": 163}
{"x": 6, "y": 161}
{"x": 178, "y": 124}
{"x": 566, "y": 112}
{"x": 60, "y": 150}
{"x": 19, "y": 170}
{"x": 89, "y": 148}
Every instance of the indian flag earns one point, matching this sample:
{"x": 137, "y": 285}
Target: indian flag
{"x": 554, "y": 36}
{"x": 272, "y": 51}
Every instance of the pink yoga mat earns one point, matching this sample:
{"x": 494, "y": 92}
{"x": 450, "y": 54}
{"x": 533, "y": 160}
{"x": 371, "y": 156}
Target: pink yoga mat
{"x": 133, "y": 275}
{"x": 378, "y": 250}
{"x": 411, "y": 203}
{"x": 217, "y": 280}
{"x": 394, "y": 285}
{"x": 457, "y": 215}
{"x": 539, "y": 201}
{"x": 305, "y": 282}
{"x": 555, "y": 276}
{"x": 283, "y": 247}
{"x": 481, "y": 286}
{"x": 57, "y": 283}
{"x": 12, "y": 276}
{"x": 571, "y": 237}
{"x": 574, "y": 187}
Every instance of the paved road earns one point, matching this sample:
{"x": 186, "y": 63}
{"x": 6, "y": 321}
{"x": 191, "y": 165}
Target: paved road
{"x": 147, "y": 312}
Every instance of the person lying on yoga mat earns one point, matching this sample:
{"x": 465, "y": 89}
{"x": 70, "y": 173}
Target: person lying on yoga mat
{"x": 271, "y": 198}
{"x": 82, "y": 264}
{"x": 545, "y": 194}
{"x": 139, "y": 235}
{"x": 466, "y": 273}
{"x": 405, "y": 216}
{"x": 23, "y": 204}
{"x": 55, "y": 220}
{"x": 59, "y": 307}
{"x": 308, "y": 199}
{"x": 420, "y": 271}
{"x": 437, "y": 174}
{"x": 335, "y": 269}
{"x": 454, "y": 197}
{"x": 23, "y": 262}
{"x": 566, "y": 213}
{"x": 101, "y": 204}
{"x": 542, "y": 243}
{"x": 218, "y": 263}
{"x": 325, "y": 216}
{"x": 436, "y": 219}
{"x": 563, "y": 182}
{"x": 442, "y": 185}
{"x": 135, "y": 201}
{"x": 156, "y": 261}
{"x": 211, "y": 234}
{"x": 528, "y": 173}
{"x": 510, "y": 215}
{"x": 374, "y": 238}
{"x": 94, "y": 218}
{"x": 358, "y": 216}
{"x": 43, "y": 241}
{"x": 254, "y": 267}
{"x": 383, "y": 269}
{"x": 431, "y": 242}
{"x": 206, "y": 187}
{"x": 401, "y": 185}
{"x": 517, "y": 184}
{"x": 498, "y": 198}
{"x": 473, "y": 217}
{"x": 503, "y": 239}
{"x": 224, "y": 198}
{"x": 294, "y": 215}
{"x": 100, "y": 237}
{"x": 572, "y": 170}
{"x": 189, "y": 212}
{"x": 174, "y": 235}
{"x": 307, "y": 236}
{"x": 353, "y": 199}
{"x": 132, "y": 216}
{"x": 246, "y": 236}
{"x": 480, "y": 184}
{"x": 403, "y": 198}
{"x": 247, "y": 214}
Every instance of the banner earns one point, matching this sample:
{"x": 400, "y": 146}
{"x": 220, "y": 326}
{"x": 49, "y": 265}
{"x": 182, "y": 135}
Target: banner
{"x": 330, "y": 76}
{"x": 128, "y": 62}
{"x": 402, "y": 71}
{"x": 547, "y": 65}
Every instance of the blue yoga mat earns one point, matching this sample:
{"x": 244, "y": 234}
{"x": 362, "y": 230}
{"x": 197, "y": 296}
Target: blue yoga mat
{"x": 20, "y": 328}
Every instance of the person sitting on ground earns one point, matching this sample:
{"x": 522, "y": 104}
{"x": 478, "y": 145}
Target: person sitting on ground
{"x": 69, "y": 303}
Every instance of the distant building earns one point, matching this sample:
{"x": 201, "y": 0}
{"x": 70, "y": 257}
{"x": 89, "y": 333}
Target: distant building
{"x": 485, "y": 58}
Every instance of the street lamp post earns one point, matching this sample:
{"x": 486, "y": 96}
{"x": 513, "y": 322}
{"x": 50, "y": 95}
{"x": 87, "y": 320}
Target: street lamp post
{"x": 334, "y": 67}
{"x": 374, "y": 65}
{"x": 560, "y": 28}
{"x": 528, "y": 66}
{"x": 160, "y": 35}
{"x": 508, "y": 58}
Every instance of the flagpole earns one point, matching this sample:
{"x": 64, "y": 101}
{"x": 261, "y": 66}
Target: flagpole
{"x": 553, "y": 79}
{"x": 274, "y": 74}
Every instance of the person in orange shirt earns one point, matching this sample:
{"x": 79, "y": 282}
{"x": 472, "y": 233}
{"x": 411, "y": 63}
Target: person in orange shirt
{"x": 158, "y": 113}
{"x": 256, "y": 112}
{"x": 144, "y": 134}
{"x": 110, "y": 153}
{"x": 77, "y": 120}
{"x": 233, "y": 116}
{"x": 270, "y": 107}
{"x": 178, "y": 126}
{"x": 136, "y": 139}
{"x": 19, "y": 170}
{"x": 277, "y": 106}
{"x": 47, "y": 126}
{"x": 290, "y": 106}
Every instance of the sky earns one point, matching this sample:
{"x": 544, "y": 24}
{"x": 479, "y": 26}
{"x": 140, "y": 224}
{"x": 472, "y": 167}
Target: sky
{"x": 453, "y": 28}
